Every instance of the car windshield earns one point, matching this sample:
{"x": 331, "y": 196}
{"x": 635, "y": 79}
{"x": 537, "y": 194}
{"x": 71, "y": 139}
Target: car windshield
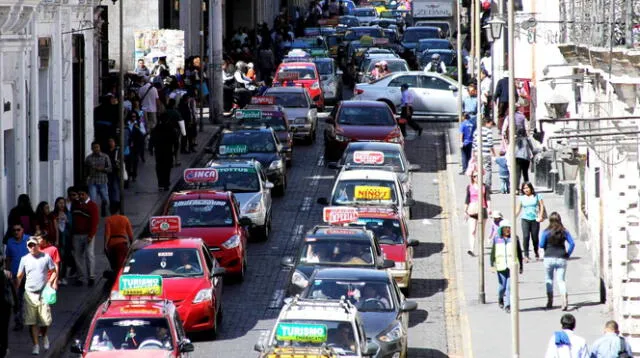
{"x": 236, "y": 179}
{"x": 340, "y": 337}
{"x": 128, "y": 334}
{"x": 304, "y": 73}
{"x": 290, "y": 100}
{"x": 394, "y": 66}
{"x": 349, "y": 192}
{"x": 366, "y": 116}
{"x": 388, "y": 231}
{"x": 392, "y": 159}
{"x": 364, "y": 12}
{"x": 247, "y": 142}
{"x": 273, "y": 119}
{"x": 416, "y": 35}
{"x": 202, "y": 212}
{"x": 367, "y": 296}
{"x": 442, "y": 45}
{"x": 324, "y": 67}
{"x": 357, "y": 34}
{"x": 169, "y": 262}
{"x": 341, "y": 252}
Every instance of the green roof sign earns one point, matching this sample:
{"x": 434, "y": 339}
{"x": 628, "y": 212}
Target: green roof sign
{"x": 298, "y": 332}
{"x": 233, "y": 149}
{"x": 248, "y": 114}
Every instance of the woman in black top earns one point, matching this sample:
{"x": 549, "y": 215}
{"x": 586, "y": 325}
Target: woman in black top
{"x": 556, "y": 254}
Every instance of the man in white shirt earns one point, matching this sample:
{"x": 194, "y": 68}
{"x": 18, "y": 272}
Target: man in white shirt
{"x": 565, "y": 343}
{"x": 149, "y": 99}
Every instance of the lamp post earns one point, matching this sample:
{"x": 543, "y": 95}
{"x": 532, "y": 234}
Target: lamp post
{"x": 121, "y": 106}
{"x": 493, "y": 31}
{"x": 460, "y": 67}
{"x": 479, "y": 120}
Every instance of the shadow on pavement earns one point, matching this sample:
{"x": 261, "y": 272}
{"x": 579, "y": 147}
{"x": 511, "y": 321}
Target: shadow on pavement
{"x": 427, "y": 287}
{"x": 418, "y": 316}
{"x": 425, "y": 353}
{"x": 426, "y": 249}
{"x": 424, "y": 210}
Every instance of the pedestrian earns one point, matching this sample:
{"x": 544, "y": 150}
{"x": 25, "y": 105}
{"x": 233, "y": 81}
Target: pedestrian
{"x": 118, "y": 236}
{"x": 524, "y": 153}
{"x": 611, "y": 344}
{"x": 175, "y": 118}
{"x": 46, "y": 225}
{"x": 142, "y": 70}
{"x": 497, "y": 217}
{"x": 17, "y": 248}
{"x": 98, "y": 166}
{"x": 113, "y": 177}
{"x": 149, "y": 100}
{"x": 62, "y": 216}
{"x": 485, "y": 93}
{"x": 503, "y": 173}
{"x": 162, "y": 137}
{"x": 532, "y": 207}
{"x": 186, "y": 107}
{"x": 22, "y": 213}
{"x": 48, "y": 247}
{"x": 488, "y": 152}
{"x": 558, "y": 244}
{"x": 467, "y": 129}
{"x": 501, "y": 96}
{"x": 520, "y": 122}
{"x": 472, "y": 207}
{"x": 136, "y": 134}
{"x": 470, "y": 102}
{"x": 406, "y": 113}
{"x": 565, "y": 343}
{"x": 34, "y": 269}
{"x": 8, "y": 299}
{"x": 85, "y": 226}
{"x": 502, "y": 259}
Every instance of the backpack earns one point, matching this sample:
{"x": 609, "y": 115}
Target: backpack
{"x": 623, "y": 349}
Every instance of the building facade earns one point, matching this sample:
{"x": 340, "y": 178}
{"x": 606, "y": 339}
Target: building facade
{"x": 47, "y": 92}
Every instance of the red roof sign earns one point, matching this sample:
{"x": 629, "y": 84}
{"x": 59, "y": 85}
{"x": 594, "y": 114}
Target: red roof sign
{"x": 263, "y": 100}
{"x": 339, "y": 215}
{"x": 200, "y": 175}
{"x": 164, "y": 224}
{"x": 368, "y": 157}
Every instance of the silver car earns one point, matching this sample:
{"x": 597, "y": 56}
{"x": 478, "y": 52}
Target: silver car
{"x": 365, "y": 15}
{"x": 302, "y": 113}
{"x": 330, "y": 79}
{"x": 434, "y": 95}
{"x": 246, "y": 179}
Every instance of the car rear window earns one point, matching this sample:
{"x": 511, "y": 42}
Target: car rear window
{"x": 290, "y": 100}
{"x": 125, "y": 333}
{"x": 343, "y": 252}
{"x": 364, "y": 12}
{"x": 202, "y": 212}
{"x": 169, "y": 262}
{"x": 416, "y": 35}
{"x": 366, "y": 116}
{"x": 304, "y": 73}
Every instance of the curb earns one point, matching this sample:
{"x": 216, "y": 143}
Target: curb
{"x": 100, "y": 291}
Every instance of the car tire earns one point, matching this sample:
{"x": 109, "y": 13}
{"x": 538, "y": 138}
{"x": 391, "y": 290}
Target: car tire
{"x": 289, "y": 162}
{"x": 280, "y": 189}
{"x": 243, "y": 271}
{"x": 265, "y": 230}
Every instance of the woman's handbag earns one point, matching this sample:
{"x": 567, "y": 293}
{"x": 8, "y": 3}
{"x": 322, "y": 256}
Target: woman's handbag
{"x": 544, "y": 215}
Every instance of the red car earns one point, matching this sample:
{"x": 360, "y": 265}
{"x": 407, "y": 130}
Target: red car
{"x": 358, "y": 121}
{"x": 214, "y": 216}
{"x": 130, "y": 329}
{"x": 301, "y": 74}
{"x": 190, "y": 278}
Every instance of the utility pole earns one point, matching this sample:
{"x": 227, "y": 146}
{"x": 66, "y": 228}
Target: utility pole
{"x": 515, "y": 303}
{"x": 215, "y": 63}
{"x": 121, "y": 108}
{"x": 201, "y": 69}
{"x": 460, "y": 67}
{"x": 479, "y": 126}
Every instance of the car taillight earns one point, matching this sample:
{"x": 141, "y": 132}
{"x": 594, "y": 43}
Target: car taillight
{"x": 315, "y": 85}
{"x": 358, "y": 91}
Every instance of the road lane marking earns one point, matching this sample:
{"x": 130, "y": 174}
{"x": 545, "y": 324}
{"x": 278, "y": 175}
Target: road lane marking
{"x": 306, "y": 203}
{"x": 320, "y": 162}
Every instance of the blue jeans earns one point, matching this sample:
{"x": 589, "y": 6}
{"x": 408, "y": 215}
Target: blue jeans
{"x": 114, "y": 188}
{"x": 504, "y": 287}
{"x": 466, "y": 155}
{"x": 504, "y": 184}
{"x": 559, "y": 266}
{"x": 103, "y": 190}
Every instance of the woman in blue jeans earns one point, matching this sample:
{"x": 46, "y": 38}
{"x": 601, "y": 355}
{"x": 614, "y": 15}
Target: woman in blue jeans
{"x": 554, "y": 242}
{"x": 531, "y": 206}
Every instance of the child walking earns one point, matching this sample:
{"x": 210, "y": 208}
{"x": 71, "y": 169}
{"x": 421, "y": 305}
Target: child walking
{"x": 501, "y": 259}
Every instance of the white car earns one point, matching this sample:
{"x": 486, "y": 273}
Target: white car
{"x": 365, "y": 15}
{"x": 433, "y": 94}
{"x": 361, "y": 187}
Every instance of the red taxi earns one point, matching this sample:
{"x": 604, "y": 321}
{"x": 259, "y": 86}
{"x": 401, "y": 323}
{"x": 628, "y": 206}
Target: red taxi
{"x": 301, "y": 74}
{"x": 213, "y": 216}
{"x": 391, "y": 230}
{"x": 141, "y": 325}
{"x": 191, "y": 278}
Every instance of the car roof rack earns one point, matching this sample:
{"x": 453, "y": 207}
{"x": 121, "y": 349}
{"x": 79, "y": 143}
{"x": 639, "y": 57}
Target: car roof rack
{"x": 342, "y": 303}
{"x": 351, "y": 166}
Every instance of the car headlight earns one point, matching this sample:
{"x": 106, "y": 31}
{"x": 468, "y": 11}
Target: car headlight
{"x": 315, "y": 85}
{"x": 300, "y": 120}
{"x": 276, "y": 164}
{"x": 203, "y": 295}
{"x": 233, "y": 241}
{"x": 341, "y": 138}
{"x": 400, "y": 265}
{"x": 252, "y": 207}
{"x": 392, "y": 333}
{"x": 116, "y": 295}
{"x": 299, "y": 279}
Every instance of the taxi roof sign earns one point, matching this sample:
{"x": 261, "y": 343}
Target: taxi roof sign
{"x": 288, "y": 75}
{"x": 264, "y": 100}
{"x": 248, "y": 114}
{"x": 200, "y": 175}
{"x": 368, "y": 157}
{"x": 367, "y": 192}
{"x": 298, "y": 332}
{"x": 140, "y": 285}
{"x": 337, "y": 215}
{"x": 164, "y": 224}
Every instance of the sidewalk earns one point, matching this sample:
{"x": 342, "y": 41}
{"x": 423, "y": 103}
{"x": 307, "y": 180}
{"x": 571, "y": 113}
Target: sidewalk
{"x": 76, "y": 304}
{"x": 489, "y": 326}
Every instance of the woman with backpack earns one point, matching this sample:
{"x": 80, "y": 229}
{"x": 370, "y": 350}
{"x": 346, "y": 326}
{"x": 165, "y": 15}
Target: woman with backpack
{"x": 558, "y": 244}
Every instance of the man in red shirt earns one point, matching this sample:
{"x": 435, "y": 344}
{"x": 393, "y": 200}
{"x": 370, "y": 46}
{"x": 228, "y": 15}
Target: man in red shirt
{"x": 50, "y": 249}
{"x": 84, "y": 228}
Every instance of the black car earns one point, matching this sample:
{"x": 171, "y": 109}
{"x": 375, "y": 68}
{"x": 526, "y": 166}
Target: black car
{"x": 274, "y": 116}
{"x": 334, "y": 246}
{"x": 383, "y": 308}
{"x": 260, "y": 144}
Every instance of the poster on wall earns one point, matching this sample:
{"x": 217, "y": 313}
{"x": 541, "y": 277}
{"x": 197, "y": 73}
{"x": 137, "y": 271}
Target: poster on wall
{"x": 154, "y": 44}
{"x": 636, "y": 36}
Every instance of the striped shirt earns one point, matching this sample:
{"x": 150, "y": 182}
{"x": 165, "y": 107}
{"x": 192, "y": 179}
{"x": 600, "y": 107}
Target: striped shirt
{"x": 487, "y": 141}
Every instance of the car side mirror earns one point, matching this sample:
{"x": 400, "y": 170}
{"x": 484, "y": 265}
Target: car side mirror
{"x": 245, "y": 221}
{"x": 334, "y": 165}
{"x": 218, "y": 271}
{"x": 258, "y": 347}
{"x": 287, "y": 261}
{"x": 410, "y": 202}
{"x": 413, "y": 242}
{"x": 408, "y": 306}
{"x": 76, "y": 347}
{"x": 453, "y": 88}
{"x": 414, "y": 167}
{"x": 268, "y": 185}
{"x": 186, "y": 346}
{"x": 209, "y": 150}
{"x": 370, "y": 349}
{"x": 387, "y": 264}
{"x": 323, "y": 201}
